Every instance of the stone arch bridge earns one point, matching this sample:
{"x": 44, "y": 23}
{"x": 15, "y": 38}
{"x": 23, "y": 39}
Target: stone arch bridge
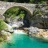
{"x": 6, "y": 5}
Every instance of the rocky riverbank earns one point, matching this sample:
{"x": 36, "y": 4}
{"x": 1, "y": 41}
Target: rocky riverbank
{"x": 42, "y": 34}
{"x": 38, "y": 33}
{"x": 31, "y": 31}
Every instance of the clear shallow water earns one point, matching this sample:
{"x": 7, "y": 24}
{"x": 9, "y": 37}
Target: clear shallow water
{"x": 24, "y": 41}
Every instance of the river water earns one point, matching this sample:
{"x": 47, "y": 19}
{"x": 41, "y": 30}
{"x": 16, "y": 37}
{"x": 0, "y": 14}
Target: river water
{"x": 23, "y": 41}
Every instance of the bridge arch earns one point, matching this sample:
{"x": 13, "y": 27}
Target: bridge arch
{"x": 28, "y": 12}
{"x": 6, "y": 5}
{"x": 24, "y": 8}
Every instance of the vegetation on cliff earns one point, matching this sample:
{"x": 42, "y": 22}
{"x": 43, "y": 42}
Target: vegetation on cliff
{"x": 3, "y": 26}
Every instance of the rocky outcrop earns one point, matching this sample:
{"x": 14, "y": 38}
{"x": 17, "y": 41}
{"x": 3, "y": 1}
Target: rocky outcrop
{"x": 40, "y": 17}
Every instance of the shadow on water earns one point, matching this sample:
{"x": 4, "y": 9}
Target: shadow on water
{"x": 10, "y": 44}
{"x": 40, "y": 40}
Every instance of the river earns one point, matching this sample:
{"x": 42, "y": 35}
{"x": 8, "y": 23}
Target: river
{"x": 23, "y": 41}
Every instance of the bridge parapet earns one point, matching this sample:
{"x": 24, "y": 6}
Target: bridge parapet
{"x": 6, "y": 5}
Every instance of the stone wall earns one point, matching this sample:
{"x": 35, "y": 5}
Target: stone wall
{"x": 6, "y": 5}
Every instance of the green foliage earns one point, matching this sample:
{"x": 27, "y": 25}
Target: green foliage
{"x": 42, "y": 2}
{"x": 13, "y": 16}
{"x": 3, "y": 38}
{"x": 2, "y": 25}
{"x": 32, "y": 1}
{"x": 13, "y": 12}
{"x": 22, "y": 15}
{"x": 28, "y": 1}
{"x": 38, "y": 1}
{"x": 37, "y": 12}
{"x": 46, "y": 8}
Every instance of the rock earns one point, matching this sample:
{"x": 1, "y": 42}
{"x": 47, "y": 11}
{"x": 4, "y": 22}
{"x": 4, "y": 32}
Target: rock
{"x": 2, "y": 17}
{"x": 7, "y": 20}
{"x": 5, "y": 33}
{"x": 9, "y": 29}
{"x": 26, "y": 29}
{"x": 17, "y": 24}
{"x": 33, "y": 29}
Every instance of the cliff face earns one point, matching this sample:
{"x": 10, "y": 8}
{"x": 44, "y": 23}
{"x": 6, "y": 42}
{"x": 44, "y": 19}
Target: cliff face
{"x": 40, "y": 16}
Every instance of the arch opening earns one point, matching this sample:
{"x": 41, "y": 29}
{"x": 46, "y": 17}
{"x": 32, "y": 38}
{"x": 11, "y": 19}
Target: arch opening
{"x": 21, "y": 12}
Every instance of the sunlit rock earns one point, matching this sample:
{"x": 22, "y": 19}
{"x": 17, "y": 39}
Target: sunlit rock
{"x": 17, "y": 24}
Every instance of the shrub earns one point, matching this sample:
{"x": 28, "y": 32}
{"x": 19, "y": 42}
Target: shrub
{"x": 2, "y": 25}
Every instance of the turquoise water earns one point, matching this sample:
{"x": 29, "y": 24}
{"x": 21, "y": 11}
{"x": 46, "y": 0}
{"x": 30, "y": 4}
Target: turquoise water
{"x": 24, "y": 41}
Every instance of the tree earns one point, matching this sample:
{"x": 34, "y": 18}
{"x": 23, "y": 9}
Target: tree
{"x": 2, "y": 25}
